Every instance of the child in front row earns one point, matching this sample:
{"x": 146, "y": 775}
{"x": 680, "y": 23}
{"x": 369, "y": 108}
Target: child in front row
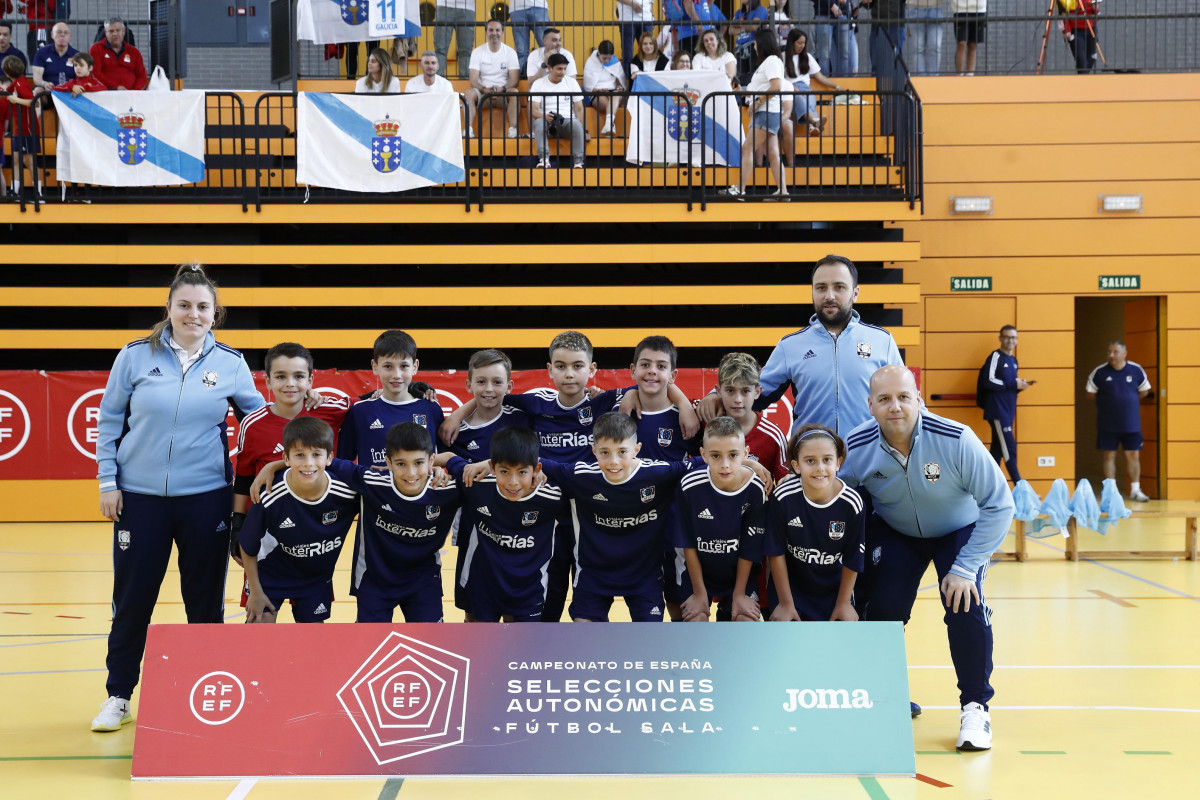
{"x": 815, "y": 532}
{"x": 512, "y": 533}
{"x": 719, "y": 524}
{"x": 24, "y": 121}
{"x": 291, "y": 540}
{"x": 84, "y": 80}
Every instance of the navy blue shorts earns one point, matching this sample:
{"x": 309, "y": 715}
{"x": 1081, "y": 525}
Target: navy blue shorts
{"x": 1109, "y": 441}
{"x": 644, "y": 606}
{"x": 313, "y": 606}
{"x": 422, "y": 602}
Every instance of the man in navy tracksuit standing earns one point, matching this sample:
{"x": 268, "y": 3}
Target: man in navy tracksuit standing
{"x": 996, "y": 393}
{"x": 939, "y": 497}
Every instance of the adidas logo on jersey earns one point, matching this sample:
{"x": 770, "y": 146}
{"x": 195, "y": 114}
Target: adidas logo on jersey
{"x": 278, "y": 449}
{"x": 795, "y": 522}
{"x": 705, "y": 514}
{"x": 656, "y": 612}
{"x": 598, "y": 496}
{"x": 222, "y": 527}
{"x": 484, "y": 510}
{"x": 386, "y": 507}
{"x": 809, "y": 354}
{"x": 157, "y": 373}
{"x": 879, "y": 476}
{"x": 376, "y": 425}
{"x": 287, "y": 523}
{"x": 473, "y": 445}
{"x": 321, "y": 609}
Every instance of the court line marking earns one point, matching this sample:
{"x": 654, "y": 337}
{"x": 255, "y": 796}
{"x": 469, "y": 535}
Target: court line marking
{"x": 53, "y": 671}
{"x": 933, "y": 781}
{"x": 1123, "y": 572}
{"x": 1118, "y": 600}
{"x": 242, "y": 789}
{"x": 64, "y": 758}
{"x": 391, "y": 788}
{"x": 873, "y": 789}
{"x": 60, "y": 641}
{"x": 1148, "y": 752}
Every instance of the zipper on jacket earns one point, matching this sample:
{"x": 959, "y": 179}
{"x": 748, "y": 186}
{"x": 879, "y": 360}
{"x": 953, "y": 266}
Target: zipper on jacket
{"x": 174, "y": 425}
{"x": 907, "y": 482}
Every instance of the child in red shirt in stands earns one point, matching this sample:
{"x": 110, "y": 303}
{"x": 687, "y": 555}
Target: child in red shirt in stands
{"x": 84, "y": 80}
{"x": 24, "y": 123}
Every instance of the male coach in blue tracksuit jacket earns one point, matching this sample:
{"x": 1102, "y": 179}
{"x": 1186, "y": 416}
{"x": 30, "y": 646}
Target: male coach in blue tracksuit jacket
{"x": 938, "y": 496}
{"x": 996, "y": 393}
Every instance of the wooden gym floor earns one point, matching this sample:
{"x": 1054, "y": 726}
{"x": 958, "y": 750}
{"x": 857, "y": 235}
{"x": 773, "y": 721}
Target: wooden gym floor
{"x": 1097, "y": 687}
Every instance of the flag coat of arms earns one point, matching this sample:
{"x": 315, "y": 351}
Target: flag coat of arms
{"x": 130, "y": 138}
{"x": 374, "y": 143}
{"x": 668, "y": 129}
{"x": 336, "y": 21}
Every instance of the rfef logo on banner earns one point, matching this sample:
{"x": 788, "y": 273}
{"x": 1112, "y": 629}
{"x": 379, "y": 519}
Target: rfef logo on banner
{"x": 407, "y": 698}
{"x": 82, "y": 422}
{"x": 217, "y": 698}
{"x": 14, "y": 425}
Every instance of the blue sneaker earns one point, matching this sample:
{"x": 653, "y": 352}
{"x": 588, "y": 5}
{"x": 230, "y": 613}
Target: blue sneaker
{"x": 914, "y": 708}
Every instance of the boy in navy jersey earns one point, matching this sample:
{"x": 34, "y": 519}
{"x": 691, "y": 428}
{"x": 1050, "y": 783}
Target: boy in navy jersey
{"x": 664, "y": 415}
{"x": 291, "y": 540}
{"x": 815, "y": 532}
{"x": 513, "y": 535}
{"x": 719, "y": 525}
{"x": 394, "y": 363}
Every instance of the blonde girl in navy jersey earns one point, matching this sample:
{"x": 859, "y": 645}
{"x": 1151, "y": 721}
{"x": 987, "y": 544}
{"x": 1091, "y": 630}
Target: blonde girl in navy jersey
{"x": 815, "y": 532}
{"x": 165, "y": 476}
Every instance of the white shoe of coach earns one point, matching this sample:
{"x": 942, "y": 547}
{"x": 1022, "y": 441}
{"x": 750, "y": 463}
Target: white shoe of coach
{"x": 975, "y": 730}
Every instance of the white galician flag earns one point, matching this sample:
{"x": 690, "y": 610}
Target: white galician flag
{"x": 670, "y": 130}
{"x": 336, "y": 21}
{"x": 130, "y": 138}
{"x": 378, "y": 143}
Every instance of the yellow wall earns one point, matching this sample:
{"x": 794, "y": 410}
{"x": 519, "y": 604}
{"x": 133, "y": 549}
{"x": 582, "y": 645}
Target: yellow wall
{"x": 1045, "y": 148}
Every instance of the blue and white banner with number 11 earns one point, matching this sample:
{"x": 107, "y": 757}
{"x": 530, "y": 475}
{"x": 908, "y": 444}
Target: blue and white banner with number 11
{"x": 336, "y": 21}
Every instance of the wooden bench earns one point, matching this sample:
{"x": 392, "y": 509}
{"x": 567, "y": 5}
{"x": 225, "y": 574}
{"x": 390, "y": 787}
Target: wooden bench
{"x": 1073, "y": 553}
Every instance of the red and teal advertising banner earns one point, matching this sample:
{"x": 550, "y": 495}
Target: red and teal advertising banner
{"x": 427, "y": 699}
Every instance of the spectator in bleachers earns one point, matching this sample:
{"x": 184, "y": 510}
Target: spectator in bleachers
{"x": 801, "y": 68}
{"x": 84, "y": 80}
{"x": 1080, "y": 31}
{"x": 429, "y": 82}
{"x": 603, "y": 75}
{"x": 560, "y": 116}
{"x": 782, "y": 26}
{"x": 713, "y": 56}
{"x": 887, "y": 33}
{"x": 636, "y": 18}
{"x": 925, "y": 39}
{"x": 681, "y": 60}
{"x": 970, "y": 31}
{"x": 649, "y": 58}
{"x": 666, "y": 41}
{"x": 535, "y": 68}
{"x": 119, "y": 65}
{"x": 7, "y": 48}
{"x": 528, "y": 16}
{"x": 24, "y": 121}
{"x": 52, "y": 63}
{"x": 39, "y": 13}
{"x": 494, "y": 69}
{"x": 379, "y": 78}
{"x": 687, "y": 35}
{"x": 455, "y": 17}
{"x": 749, "y": 18}
{"x": 767, "y": 112}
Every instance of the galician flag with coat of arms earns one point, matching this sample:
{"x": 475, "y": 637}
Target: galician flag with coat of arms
{"x": 669, "y": 130}
{"x": 335, "y": 21}
{"x": 130, "y": 138}
{"x": 378, "y": 143}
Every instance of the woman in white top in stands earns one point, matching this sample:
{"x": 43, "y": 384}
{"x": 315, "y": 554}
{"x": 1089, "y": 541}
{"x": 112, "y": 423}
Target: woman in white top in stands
{"x": 649, "y": 58}
{"x": 801, "y": 67}
{"x": 768, "y": 111}
{"x": 712, "y": 55}
{"x": 379, "y": 78}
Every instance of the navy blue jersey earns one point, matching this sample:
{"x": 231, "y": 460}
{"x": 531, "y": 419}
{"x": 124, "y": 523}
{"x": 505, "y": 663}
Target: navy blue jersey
{"x": 400, "y": 537}
{"x": 997, "y": 387}
{"x": 511, "y": 541}
{"x": 296, "y": 541}
{"x": 366, "y": 426}
{"x": 660, "y": 436}
{"x": 564, "y": 434}
{"x": 474, "y": 442}
{"x": 721, "y": 527}
{"x": 620, "y": 528}
{"x": 1118, "y": 397}
{"x": 817, "y": 540}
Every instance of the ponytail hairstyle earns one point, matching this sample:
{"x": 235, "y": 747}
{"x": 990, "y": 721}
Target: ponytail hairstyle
{"x": 188, "y": 275}
{"x": 766, "y": 45}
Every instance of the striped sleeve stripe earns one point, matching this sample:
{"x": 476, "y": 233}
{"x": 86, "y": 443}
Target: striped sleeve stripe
{"x": 796, "y": 333}
{"x": 858, "y": 440}
{"x": 789, "y": 488}
{"x": 380, "y": 478}
{"x": 228, "y": 349}
{"x": 693, "y": 478}
{"x": 948, "y": 431}
{"x": 247, "y": 421}
{"x": 852, "y": 497}
{"x": 279, "y": 491}
{"x": 774, "y": 431}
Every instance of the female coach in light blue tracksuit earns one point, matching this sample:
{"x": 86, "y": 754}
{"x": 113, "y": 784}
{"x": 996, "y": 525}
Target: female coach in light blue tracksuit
{"x": 164, "y": 472}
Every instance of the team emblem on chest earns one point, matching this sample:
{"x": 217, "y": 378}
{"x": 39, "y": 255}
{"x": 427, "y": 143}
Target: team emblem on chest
{"x": 209, "y": 378}
{"x": 665, "y": 436}
{"x": 585, "y": 416}
{"x": 420, "y": 419}
{"x": 933, "y": 471}
{"x": 329, "y": 517}
{"x": 529, "y": 518}
{"x": 837, "y": 530}
{"x": 863, "y": 349}
{"x": 432, "y": 512}
{"x": 647, "y": 493}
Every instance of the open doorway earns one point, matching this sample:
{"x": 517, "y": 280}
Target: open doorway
{"x": 1098, "y": 321}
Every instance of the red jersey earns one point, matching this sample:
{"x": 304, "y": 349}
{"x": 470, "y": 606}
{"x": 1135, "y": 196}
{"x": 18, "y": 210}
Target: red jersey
{"x": 260, "y": 436}
{"x": 113, "y": 70}
{"x": 24, "y": 122}
{"x": 767, "y": 445}
{"x": 90, "y": 84}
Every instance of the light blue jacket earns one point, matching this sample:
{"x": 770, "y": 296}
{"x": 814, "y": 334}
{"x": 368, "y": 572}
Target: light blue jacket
{"x": 162, "y": 431}
{"x": 949, "y": 482}
{"x": 1112, "y": 505}
{"x": 1057, "y": 506}
{"x": 1084, "y": 507}
{"x": 1026, "y": 501}
{"x": 831, "y": 375}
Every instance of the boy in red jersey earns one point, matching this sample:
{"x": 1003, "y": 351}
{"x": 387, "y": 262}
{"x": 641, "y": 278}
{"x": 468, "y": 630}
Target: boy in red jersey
{"x": 24, "y": 123}
{"x": 84, "y": 80}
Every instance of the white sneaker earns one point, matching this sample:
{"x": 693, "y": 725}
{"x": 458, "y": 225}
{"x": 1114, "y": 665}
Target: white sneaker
{"x": 975, "y": 730}
{"x": 608, "y": 127}
{"x": 544, "y": 163}
{"x": 1139, "y": 496}
{"x": 113, "y": 714}
{"x": 512, "y": 133}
